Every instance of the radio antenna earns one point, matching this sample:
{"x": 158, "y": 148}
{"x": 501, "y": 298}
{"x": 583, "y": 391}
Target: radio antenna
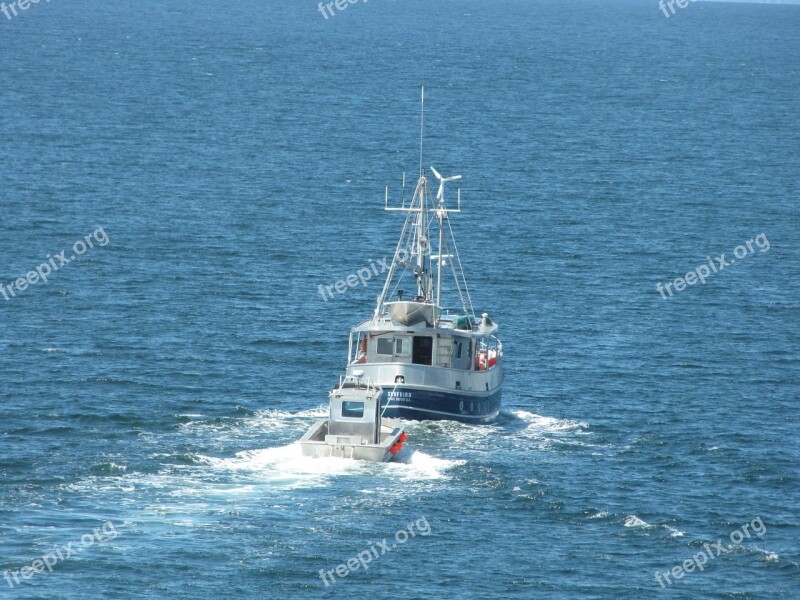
{"x": 421, "y": 128}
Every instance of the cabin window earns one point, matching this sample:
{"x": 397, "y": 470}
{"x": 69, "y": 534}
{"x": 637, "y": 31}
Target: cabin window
{"x": 385, "y": 346}
{"x": 402, "y": 346}
{"x": 353, "y": 410}
{"x": 457, "y": 348}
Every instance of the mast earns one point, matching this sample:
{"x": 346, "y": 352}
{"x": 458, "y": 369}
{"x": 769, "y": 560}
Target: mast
{"x": 415, "y": 237}
{"x": 439, "y": 265}
{"x": 422, "y": 219}
{"x": 423, "y": 214}
{"x": 411, "y": 230}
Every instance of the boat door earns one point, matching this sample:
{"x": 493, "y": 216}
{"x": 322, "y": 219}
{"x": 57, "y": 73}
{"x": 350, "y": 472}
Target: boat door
{"x": 422, "y": 350}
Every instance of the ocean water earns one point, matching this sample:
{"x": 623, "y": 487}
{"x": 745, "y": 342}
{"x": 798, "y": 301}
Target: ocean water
{"x": 226, "y": 159}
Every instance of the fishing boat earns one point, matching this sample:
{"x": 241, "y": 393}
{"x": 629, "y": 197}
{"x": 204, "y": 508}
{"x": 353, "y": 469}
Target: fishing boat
{"x": 429, "y": 360}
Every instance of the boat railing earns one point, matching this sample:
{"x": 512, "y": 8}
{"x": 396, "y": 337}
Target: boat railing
{"x": 489, "y": 354}
{"x": 358, "y": 381}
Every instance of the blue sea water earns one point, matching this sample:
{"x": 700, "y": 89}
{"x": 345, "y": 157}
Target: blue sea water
{"x": 235, "y": 156}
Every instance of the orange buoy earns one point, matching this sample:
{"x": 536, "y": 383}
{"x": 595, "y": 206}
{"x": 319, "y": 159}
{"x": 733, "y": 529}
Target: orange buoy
{"x": 395, "y": 449}
{"x": 403, "y": 437}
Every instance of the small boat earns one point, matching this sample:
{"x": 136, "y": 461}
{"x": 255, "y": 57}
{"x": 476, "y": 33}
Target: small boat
{"x": 355, "y": 427}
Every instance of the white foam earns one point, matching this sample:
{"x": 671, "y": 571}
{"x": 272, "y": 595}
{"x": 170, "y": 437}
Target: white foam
{"x": 285, "y": 466}
{"x": 423, "y": 466}
{"x": 457, "y": 433}
{"x": 541, "y": 424}
{"x": 260, "y": 424}
{"x": 266, "y": 419}
{"x": 634, "y": 521}
{"x": 548, "y": 433}
{"x": 674, "y": 533}
{"x": 281, "y": 416}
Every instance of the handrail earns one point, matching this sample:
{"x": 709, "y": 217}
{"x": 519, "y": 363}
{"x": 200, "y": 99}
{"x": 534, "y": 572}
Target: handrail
{"x": 359, "y": 383}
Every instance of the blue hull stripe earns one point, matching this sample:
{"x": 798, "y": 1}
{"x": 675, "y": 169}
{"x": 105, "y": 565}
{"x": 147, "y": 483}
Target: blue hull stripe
{"x": 410, "y": 403}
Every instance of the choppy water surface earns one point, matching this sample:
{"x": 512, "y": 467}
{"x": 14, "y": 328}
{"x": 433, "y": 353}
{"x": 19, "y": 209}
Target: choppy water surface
{"x": 236, "y": 155}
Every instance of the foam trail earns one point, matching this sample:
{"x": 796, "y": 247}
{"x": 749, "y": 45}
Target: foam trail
{"x": 285, "y": 465}
{"x": 540, "y": 424}
{"x": 423, "y": 466}
{"x": 264, "y": 420}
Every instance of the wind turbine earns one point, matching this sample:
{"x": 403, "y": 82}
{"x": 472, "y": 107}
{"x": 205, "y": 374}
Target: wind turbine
{"x": 442, "y": 181}
{"x": 441, "y": 215}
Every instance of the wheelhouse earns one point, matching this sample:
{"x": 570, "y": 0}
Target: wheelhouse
{"x": 441, "y": 348}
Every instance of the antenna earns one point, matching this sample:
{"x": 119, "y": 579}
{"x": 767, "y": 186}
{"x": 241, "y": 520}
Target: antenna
{"x": 421, "y": 128}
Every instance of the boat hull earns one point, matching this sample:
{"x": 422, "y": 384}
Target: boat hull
{"x": 413, "y": 403}
{"x": 318, "y": 443}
